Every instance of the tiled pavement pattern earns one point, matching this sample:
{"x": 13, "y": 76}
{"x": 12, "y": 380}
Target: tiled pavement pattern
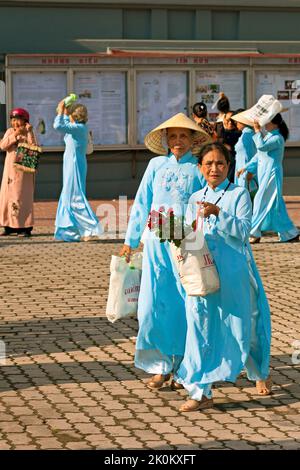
{"x": 69, "y": 380}
{"x": 45, "y": 210}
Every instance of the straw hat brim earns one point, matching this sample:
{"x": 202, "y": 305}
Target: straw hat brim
{"x": 154, "y": 139}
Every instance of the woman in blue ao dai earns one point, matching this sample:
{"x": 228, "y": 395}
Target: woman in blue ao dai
{"x": 245, "y": 150}
{"x": 269, "y": 210}
{"x": 230, "y": 329}
{"x": 169, "y": 181}
{"x": 75, "y": 219}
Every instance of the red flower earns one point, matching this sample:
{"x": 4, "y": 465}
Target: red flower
{"x": 153, "y": 220}
{"x": 154, "y": 213}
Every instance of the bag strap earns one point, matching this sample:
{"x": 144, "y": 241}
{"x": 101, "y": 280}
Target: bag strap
{"x": 34, "y": 138}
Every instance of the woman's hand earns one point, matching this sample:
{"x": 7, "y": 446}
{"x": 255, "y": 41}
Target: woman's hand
{"x": 207, "y": 209}
{"x": 61, "y": 107}
{"x": 240, "y": 172}
{"x": 256, "y": 126}
{"x": 126, "y": 251}
{"x": 20, "y": 132}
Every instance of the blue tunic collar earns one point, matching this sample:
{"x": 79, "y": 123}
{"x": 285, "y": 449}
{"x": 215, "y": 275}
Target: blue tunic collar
{"x": 184, "y": 159}
{"x": 221, "y": 186}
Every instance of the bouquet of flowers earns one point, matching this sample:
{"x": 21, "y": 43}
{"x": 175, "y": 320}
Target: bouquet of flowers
{"x": 167, "y": 226}
{"x": 189, "y": 250}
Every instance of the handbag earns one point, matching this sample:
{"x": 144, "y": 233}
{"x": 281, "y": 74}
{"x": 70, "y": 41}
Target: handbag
{"x": 90, "y": 144}
{"x": 124, "y": 287}
{"x": 195, "y": 264}
{"x": 27, "y": 156}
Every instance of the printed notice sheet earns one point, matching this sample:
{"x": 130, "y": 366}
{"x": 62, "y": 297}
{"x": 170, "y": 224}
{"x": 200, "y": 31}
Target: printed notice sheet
{"x": 39, "y": 93}
{"x": 104, "y": 95}
{"x": 210, "y": 84}
{"x": 160, "y": 95}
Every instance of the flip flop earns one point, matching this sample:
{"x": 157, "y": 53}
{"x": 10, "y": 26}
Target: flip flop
{"x": 157, "y": 381}
{"x": 254, "y": 240}
{"x": 195, "y": 405}
{"x": 175, "y": 386}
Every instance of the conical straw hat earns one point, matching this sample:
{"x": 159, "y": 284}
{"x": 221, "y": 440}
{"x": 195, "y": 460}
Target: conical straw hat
{"x": 154, "y": 139}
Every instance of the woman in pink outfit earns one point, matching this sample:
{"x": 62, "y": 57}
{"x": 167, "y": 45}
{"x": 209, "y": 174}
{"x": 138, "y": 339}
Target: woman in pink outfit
{"x": 17, "y": 188}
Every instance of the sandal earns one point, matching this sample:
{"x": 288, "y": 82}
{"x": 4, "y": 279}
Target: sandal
{"x": 175, "y": 386}
{"x": 264, "y": 387}
{"x": 157, "y": 381}
{"x": 195, "y": 405}
{"x": 254, "y": 240}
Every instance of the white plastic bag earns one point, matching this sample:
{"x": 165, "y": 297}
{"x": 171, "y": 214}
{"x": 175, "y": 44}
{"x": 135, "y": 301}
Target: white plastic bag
{"x": 124, "y": 287}
{"x": 195, "y": 264}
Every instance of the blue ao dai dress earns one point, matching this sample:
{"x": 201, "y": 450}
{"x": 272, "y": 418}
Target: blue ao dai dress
{"x": 269, "y": 210}
{"x": 161, "y": 308}
{"x": 230, "y": 329}
{"x": 74, "y": 217}
{"x": 245, "y": 150}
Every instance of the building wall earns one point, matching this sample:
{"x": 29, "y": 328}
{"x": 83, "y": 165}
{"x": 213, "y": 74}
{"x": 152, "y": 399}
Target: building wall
{"x": 57, "y": 29}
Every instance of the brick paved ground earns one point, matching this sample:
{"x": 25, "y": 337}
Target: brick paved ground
{"x": 45, "y": 210}
{"x": 69, "y": 380}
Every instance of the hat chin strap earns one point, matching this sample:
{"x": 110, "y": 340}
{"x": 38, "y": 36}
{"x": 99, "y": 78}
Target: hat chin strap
{"x": 164, "y": 139}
